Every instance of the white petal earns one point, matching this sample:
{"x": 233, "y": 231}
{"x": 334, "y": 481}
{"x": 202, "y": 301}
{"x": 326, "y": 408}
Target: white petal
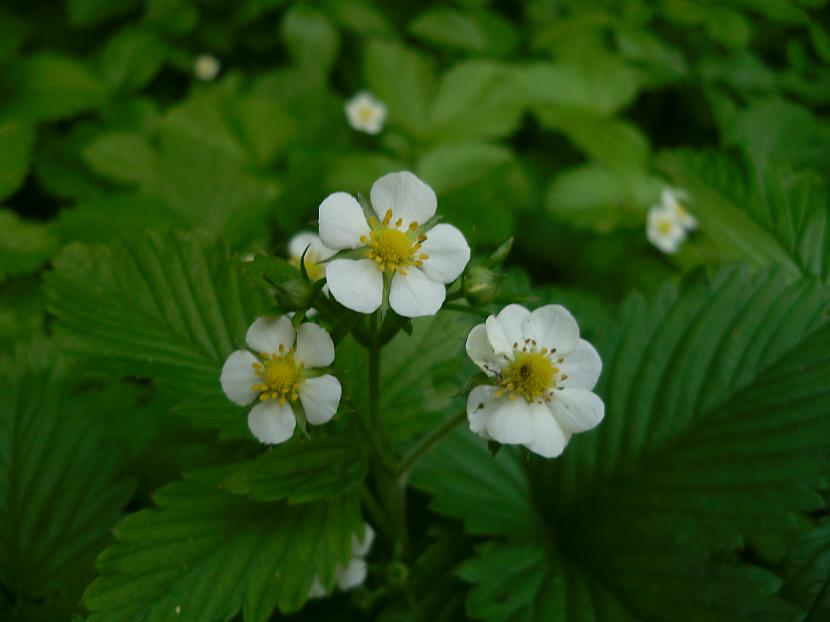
{"x": 320, "y": 397}
{"x": 414, "y": 295}
{"x": 267, "y": 334}
{"x": 512, "y": 422}
{"x": 577, "y": 410}
{"x": 352, "y": 575}
{"x": 408, "y": 197}
{"x": 238, "y": 376}
{"x": 670, "y": 239}
{"x": 582, "y": 366}
{"x": 448, "y": 253}
{"x": 342, "y": 221}
{"x": 271, "y": 422}
{"x": 481, "y": 352}
{"x": 356, "y": 284}
{"x": 361, "y": 548}
{"x": 298, "y": 244}
{"x": 317, "y": 590}
{"x": 314, "y": 346}
{"x": 549, "y": 439}
{"x": 505, "y": 329}
{"x": 553, "y": 326}
{"x": 481, "y": 404}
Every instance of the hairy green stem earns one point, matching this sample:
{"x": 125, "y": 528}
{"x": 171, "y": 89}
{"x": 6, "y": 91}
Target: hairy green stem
{"x": 427, "y": 443}
{"x": 391, "y": 494}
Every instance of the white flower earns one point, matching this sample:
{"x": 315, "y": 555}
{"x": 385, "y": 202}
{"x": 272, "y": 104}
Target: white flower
{"x": 365, "y": 113}
{"x": 315, "y": 256}
{"x": 354, "y": 573}
{"x": 664, "y": 229}
{"x": 672, "y": 199}
{"x": 542, "y": 375}
{"x": 395, "y": 249}
{"x": 206, "y": 67}
{"x": 283, "y": 373}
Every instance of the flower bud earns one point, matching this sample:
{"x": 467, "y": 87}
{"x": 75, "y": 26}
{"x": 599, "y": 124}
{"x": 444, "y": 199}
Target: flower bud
{"x": 293, "y": 294}
{"x": 397, "y": 574}
{"x": 480, "y": 286}
{"x": 500, "y": 254}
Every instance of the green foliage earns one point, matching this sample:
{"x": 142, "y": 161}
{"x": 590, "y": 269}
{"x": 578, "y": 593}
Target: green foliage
{"x": 115, "y": 313}
{"x": 24, "y": 246}
{"x": 765, "y": 216}
{"x": 52, "y": 87}
{"x": 684, "y": 464}
{"x": 807, "y": 572}
{"x": 204, "y": 554}
{"x": 131, "y": 189}
{"x": 55, "y": 511}
{"x": 16, "y": 141}
{"x": 301, "y": 472}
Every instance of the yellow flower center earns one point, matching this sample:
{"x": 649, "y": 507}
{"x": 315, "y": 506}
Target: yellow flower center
{"x": 314, "y": 266}
{"x": 366, "y": 113}
{"x": 393, "y": 249}
{"x": 280, "y": 376}
{"x": 532, "y": 374}
{"x": 664, "y": 227}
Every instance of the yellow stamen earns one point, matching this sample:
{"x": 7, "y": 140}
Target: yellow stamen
{"x": 530, "y": 375}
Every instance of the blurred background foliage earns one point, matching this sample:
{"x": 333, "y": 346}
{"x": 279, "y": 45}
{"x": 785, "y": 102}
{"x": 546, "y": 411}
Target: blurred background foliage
{"x": 555, "y": 121}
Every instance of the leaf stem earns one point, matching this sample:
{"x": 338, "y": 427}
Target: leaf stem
{"x": 428, "y": 443}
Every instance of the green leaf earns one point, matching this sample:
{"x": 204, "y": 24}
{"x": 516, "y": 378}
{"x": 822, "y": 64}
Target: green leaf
{"x": 469, "y": 31}
{"x": 132, "y": 58}
{"x": 404, "y": 80}
{"x": 596, "y": 197}
{"x": 419, "y": 373}
{"x": 122, "y": 157}
{"x": 265, "y": 127}
{"x": 300, "y": 472}
{"x": 449, "y": 167}
{"x": 603, "y": 86}
{"x": 476, "y": 100}
{"x": 616, "y": 144}
{"x": 469, "y": 175}
{"x": 760, "y": 215}
{"x": 24, "y": 246}
{"x": 13, "y": 32}
{"x": 87, "y": 13}
{"x": 204, "y": 554}
{"x": 51, "y": 87}
{"x": 716, "y": 427}
{"x": 807, "y": 573}
{"x": 56, "y": 511}
{"x": 777, "y": 132}
{"x": 16, "y": 142}
{"x": 209, "y": 189}
{"x": 167, "y": 307}
{"x": 311, "y": 38}
{"x": 108, "y": 217}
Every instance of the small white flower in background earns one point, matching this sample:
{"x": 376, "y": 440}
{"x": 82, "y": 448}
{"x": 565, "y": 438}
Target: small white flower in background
{"x": 315, "y": 256}
{"x": 283, "y": 373}
{"x": 673, "y": 199}
{"x": 668, "y": 223}
{"x": 542, "y": 376}
{"x": 354, "y": 573}
{"x": 664, "y": 229}
{"x": 365, "y": 113}
{"x": 397, "y": 247}
{"x": 206, "y": 67}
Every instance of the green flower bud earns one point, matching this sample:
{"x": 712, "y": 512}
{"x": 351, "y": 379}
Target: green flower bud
{"x": 397, "y": 574}
{"x": 480, "y": 286}
{"x": 500, "y": 254}
{"x": 293, "y": 294}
